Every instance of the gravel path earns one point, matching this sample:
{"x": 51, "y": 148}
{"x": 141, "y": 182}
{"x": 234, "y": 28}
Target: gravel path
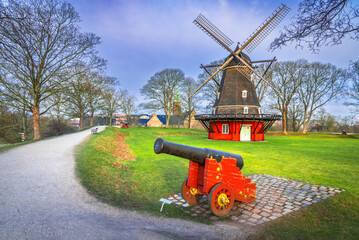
{"x": 40, "y": 198}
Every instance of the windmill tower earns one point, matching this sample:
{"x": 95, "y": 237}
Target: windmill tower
{"x": 237, "y": 115}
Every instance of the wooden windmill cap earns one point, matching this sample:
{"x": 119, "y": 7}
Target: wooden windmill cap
{"x": 231, "y": 99}
{"x": 235, "y": 61}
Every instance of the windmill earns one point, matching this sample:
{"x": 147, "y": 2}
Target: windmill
{"x": 237, "y": 114}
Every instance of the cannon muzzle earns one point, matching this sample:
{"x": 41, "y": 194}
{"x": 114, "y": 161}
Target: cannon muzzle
{"x": 194, "y": 153}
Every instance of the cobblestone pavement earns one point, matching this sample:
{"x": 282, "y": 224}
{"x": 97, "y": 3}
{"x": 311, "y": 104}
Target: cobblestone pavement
{"x": 276, "y": 197}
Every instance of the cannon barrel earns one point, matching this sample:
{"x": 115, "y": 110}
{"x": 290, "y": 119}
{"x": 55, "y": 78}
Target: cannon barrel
{"x": 194, "y": 153}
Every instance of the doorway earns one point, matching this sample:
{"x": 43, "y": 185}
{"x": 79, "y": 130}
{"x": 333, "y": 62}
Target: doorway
{"x": 246, "y": 133}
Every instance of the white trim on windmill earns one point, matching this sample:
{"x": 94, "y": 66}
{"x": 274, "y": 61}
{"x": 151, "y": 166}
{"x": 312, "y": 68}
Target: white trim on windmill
{"x": 244, "y": 93}
{"x": 245, "y": 110}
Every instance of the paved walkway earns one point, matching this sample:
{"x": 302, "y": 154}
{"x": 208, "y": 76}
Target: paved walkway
{"x": 40, "y": 198}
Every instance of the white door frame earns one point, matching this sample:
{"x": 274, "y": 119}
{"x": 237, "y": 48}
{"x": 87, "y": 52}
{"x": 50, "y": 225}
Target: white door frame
{"x": 245, "y": 134}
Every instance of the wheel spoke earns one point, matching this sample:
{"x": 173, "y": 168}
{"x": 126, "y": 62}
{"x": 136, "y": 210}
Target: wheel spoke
{"x": 187, "y": 194}
{"x": 221, "y": 199}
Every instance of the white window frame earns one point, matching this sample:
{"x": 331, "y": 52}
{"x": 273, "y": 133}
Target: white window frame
{"x": 245, "y": 110}
{"x": 225, "y": 129}
{"x": 244, "y": 94}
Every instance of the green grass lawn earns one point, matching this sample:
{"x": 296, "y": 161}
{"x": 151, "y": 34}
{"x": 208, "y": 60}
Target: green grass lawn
{"x": 324, "y": 159}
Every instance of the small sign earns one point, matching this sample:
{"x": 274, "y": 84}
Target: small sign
{"x": 163, "y": 200}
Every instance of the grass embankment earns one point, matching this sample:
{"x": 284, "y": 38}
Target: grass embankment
{"x": 325, "y": 159}
{"x": 107, "y": 169}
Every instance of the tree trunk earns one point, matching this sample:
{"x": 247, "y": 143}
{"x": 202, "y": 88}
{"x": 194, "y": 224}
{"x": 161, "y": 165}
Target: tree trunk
{"x": 110, "y": 116}
{"x": 24, "y": 124}
{"x": 81, "y": 121}
{"x": 168, "y": 121}
{"x": 293, "y": 124}
{"x": 91, "y": 118}
{"x": 36, "y": 122}
{"x": 305, "y": 121}
{"x": 284, "y": 122}
{"x": 58, "y": 127}
{"x": 189, "y": 120}
{"x": 305, "y": 126}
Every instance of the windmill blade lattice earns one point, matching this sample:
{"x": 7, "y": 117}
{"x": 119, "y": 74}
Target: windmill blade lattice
{"x": 248, "y": 73}
{"x": 211, "y": 30}
{"x": 244, "y": 70}
{"x": 268, "y": 26}
{"x": 252, "y": 41}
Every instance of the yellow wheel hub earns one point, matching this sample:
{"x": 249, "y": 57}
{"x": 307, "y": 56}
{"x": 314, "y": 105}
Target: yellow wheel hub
{"x": 193, "y": 191}
{"x": 223, "y": 200}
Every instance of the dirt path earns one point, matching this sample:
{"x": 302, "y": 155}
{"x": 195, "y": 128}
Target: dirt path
{"x": 40, "y": 198}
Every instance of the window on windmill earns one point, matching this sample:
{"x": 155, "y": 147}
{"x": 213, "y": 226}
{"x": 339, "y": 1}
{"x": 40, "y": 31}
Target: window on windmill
{"x": 225, "y": 128}
{"x": 244, "y": 93}
{"x": 245, "y": 110}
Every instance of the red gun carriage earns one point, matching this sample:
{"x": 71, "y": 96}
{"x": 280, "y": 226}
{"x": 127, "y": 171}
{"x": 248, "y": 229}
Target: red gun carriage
{"x": 213, "y": 173}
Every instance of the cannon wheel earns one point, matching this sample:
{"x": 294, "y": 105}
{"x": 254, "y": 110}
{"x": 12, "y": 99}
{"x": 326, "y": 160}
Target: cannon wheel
{"x": 192, "y": 199}
{"x": 221, "y": 199}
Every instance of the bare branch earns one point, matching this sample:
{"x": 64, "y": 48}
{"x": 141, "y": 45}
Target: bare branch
{"x": 321, "y": 22}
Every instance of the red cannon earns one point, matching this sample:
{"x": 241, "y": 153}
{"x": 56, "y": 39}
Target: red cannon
{"x": 213, "y": 173}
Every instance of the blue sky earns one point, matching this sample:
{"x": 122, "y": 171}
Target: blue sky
{"x": 140, "y": 38}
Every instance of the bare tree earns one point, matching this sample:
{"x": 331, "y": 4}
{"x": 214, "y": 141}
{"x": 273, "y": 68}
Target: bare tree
{"x": 321, "y": 22}
{"x": 39, "y": 40}
{"x": 353, "y": 92}
{"x": 127, "y": 104}
{"x": 286, "y": 78}
{"x": 326, "y": 121}
{"x": 78, "y": 93}
{"x": 20, "y": 107}
{"x": 57, "y": 100}
{"x": 210, "y": 91}
{"x": 111, "y": 102}
{"x": 188, "y": 87}
{"x": 320, "y": 84}
{"x": 161, "y": 89}
{"x": 58, "y": 111}
{"x": 262, "y": 88}
{"x": 10, "y": 122}
{"x": 98, "y": 82}
{"x": 295, "y": 114}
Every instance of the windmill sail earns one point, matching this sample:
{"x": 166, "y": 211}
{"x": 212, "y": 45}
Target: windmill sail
{"x": 237, "y": 112}
{"x": 252, "y": 41}
{"x": 265, "y": 28}
{"x": 211, "y": 30}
